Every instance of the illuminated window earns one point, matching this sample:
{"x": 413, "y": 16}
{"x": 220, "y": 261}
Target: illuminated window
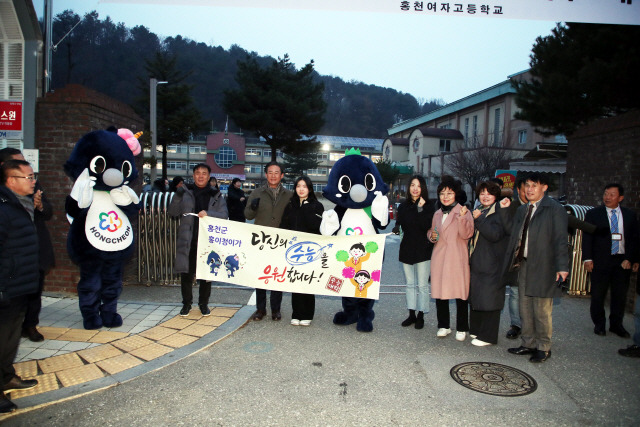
{"x": 225, "y": 157}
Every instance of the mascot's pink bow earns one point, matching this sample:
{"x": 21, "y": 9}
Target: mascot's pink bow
{"x": 132, "y": 140}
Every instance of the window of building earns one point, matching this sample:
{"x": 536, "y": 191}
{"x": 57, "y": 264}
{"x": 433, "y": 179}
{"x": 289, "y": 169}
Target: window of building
{"x": 336, "y": 156}
{"x": 323, "y": 156}
{"x": 225, "y": 157}
{"x": 376, "y": 158}
{"x": 522, "y": 136}
{"x": 193, "y": 165}
{"x": 474, "y": 141}
{"x": 447, "y": 126}
{"x": 252, "y": 152}
{"x": 317, "y": 188}
{"x": 197, "y": 149}
{"x": 252, "y": 169}
{"x": 176, "y": 165}
{"x": 11, "y": 67}
{"x": 466, "y": 131}
{"x": 496, "y": 128}
{"x": 317, "y": 172}
{"x": 445, "y": 145}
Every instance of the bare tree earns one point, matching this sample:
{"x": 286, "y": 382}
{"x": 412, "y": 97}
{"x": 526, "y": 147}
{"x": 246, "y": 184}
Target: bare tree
{"x": 476, "y": 165}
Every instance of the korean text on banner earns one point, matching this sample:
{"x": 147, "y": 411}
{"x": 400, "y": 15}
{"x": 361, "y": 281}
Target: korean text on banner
{"x": 289, "y": 261}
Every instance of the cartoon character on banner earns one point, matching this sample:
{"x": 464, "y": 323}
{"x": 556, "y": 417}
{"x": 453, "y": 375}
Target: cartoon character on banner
{"x": 357, "y": 189}
{"x": 353, "y": 271}
{"x": 100, "y": 208}
{"x": 232, "y": 263}
{"x": 214, "y": 261}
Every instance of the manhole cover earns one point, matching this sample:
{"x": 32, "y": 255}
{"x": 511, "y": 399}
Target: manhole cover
{"x": 493, "y": 378}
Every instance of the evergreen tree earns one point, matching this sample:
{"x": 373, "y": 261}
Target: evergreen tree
{"x": 278, "y": 103}
{"x": 580, "y": 72}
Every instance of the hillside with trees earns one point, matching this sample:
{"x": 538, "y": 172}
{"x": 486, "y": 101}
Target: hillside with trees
{"x": 111, "y": 58}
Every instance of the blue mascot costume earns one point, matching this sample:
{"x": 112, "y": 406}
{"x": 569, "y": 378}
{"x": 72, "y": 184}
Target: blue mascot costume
{"x": 357, "y": 189}
{"x": 100, "y": 208}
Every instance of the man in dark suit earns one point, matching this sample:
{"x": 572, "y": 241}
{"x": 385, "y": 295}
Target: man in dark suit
{"x": 538, "y": 251}
{"x": 608, "y": 255}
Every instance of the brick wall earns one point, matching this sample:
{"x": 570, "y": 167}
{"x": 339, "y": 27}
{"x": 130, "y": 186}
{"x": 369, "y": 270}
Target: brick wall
{"x": 62, "y": 118}
{"x": 602, "y": 152}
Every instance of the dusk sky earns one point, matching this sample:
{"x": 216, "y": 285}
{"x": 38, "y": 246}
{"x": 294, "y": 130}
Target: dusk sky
{"x": 430, "y": 57}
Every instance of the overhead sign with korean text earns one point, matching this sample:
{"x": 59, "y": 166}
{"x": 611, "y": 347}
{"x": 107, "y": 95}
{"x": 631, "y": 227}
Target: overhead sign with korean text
{"x": 289, "y": 261}
{"x": 595, "y": 11}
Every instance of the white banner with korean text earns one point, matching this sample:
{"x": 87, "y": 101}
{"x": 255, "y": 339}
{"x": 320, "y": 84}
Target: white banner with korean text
{"x": 289, "y": 261}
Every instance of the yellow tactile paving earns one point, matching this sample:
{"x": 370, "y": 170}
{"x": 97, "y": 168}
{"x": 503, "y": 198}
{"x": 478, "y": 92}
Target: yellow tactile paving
{"x": 59, "y": 363}
{"x": 157, "y": 333}
{"x": 212, "y": 321}
{"x": 197, "y": 330}
{"x": 194, "y": 314}
{"x": 131, "y": 343}
{"x": 79, "y": 375}
{"x": 223, "y": 312}
{"x": 82, "y": 335}
{"x": 104, "y": 337}
{"x": 177, "y": 323}
{"x": 51, "y": 333}
{"x": 46, "y": 382}
{"x": 27, "y": 369}
{"x": 151, "y": 351}
{"x": 119, "y": 363}
{"x": 178, "y": 340}
{"x": 96, "y": 354}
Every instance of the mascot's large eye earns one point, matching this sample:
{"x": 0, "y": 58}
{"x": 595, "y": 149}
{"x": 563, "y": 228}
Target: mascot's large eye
{"x": 126, "y": 169}
{"x": 369, "y": 182}
{"x": 344, "y": 184}
{"x": 98, "y": 164}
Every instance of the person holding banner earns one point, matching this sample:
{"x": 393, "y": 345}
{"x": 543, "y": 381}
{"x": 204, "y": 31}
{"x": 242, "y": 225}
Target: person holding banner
{"x": 414, "y": 218}
{"x": 266, "y": 205}
{"x": 203, "y": 200}
{"x": 451, "y": 228}
{"x": 303, "y": 213}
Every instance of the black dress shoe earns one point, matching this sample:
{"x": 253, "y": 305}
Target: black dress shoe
{"x": 540, "y": 356}
{"x": 6, "y": 405}
{"x": 258, "y": 315}
{"x": 630, "y": 351}
{"x": 620, "y": 331}
{"x": 514, "y": 332}
{"x": 18, "y": 383}
{"x": 522, "y": 350}
{"x": 33, "y": 334}
{"x": 599, "y": 331}
{"x": 276, "y": 315}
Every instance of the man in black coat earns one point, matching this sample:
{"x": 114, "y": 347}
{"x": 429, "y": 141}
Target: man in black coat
{"x": 538, "y": 251}
{"x": 18, "y": 269}
{"x": 608, "y": 255}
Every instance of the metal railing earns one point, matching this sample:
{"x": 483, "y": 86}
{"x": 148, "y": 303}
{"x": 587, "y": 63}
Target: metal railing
{"x": 157, "y": 233}
{"x": 579, "y": 280}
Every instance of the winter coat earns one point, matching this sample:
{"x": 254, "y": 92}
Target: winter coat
{"x": 234, "y": 205}
{"x": 510, "y": 278}
{"x": 184, "y": 201}
{"x": 547, "y": 251}
{"x": 270, "y": 210}
{"x": 415, "y": 222}
{"x": 489, "y": 245}
{"x": 450, "y": 257}
{"x": 18, "y": 248}
{"x": 305, "y": 218}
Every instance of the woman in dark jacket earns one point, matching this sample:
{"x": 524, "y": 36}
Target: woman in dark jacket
{"x": 487, "y": 249}
{"x": 303, "y": 213}
{"x": 414, "y": 217}
{"x": 236, "y": 201}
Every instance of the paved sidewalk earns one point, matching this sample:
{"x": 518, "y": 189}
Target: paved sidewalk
{"x": 72, "y": 361}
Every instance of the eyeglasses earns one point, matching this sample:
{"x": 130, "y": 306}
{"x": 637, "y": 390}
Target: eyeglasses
{"x": 447, "y": 194}
{"x": 30, "y": 178}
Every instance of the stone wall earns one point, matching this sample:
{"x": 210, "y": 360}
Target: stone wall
{"x": 62, "y": 118}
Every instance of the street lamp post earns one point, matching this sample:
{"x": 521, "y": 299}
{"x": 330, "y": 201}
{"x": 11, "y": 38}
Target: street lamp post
{"x": 153, "y": 86}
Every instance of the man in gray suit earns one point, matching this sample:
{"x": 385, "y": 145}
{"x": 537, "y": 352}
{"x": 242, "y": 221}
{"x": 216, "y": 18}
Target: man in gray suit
{"x": 538, "y": 240}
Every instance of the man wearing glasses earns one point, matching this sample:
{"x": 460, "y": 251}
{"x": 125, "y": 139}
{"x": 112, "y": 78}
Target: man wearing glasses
{"x": 18, "y": 277}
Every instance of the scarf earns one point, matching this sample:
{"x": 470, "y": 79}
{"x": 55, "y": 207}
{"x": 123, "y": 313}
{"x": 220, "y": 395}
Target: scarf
{"x": 447, "y": 209}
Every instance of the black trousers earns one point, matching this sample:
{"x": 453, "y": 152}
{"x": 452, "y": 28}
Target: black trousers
{"x": 462, "y": 314}
{"x": 186, "y": 281}
{"x": 304, "y": 306}
{"x": 11, "y": 318}
{"x": 485, "y": 325}
{"x": 604, "y": 277}
{"x": 261, "y": 300}
{"x": 34, "y": 305}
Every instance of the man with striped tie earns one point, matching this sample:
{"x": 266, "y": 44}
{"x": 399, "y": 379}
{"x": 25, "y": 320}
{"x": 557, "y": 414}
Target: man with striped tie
{"x": 608, "y": 255}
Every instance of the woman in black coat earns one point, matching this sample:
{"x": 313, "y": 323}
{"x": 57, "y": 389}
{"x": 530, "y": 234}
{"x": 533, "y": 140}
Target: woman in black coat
{"x": 414, "y": 217}
{"x": 303, "y": 213}
{"x": 487, "y": 249}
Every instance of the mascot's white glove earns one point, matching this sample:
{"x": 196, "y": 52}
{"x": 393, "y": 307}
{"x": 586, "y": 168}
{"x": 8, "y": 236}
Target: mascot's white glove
{"x": 330, "y": 223}
{"x": 380, "y": 208}
{"x": 82, "y": 190}
{"x": 124, "y": 196}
